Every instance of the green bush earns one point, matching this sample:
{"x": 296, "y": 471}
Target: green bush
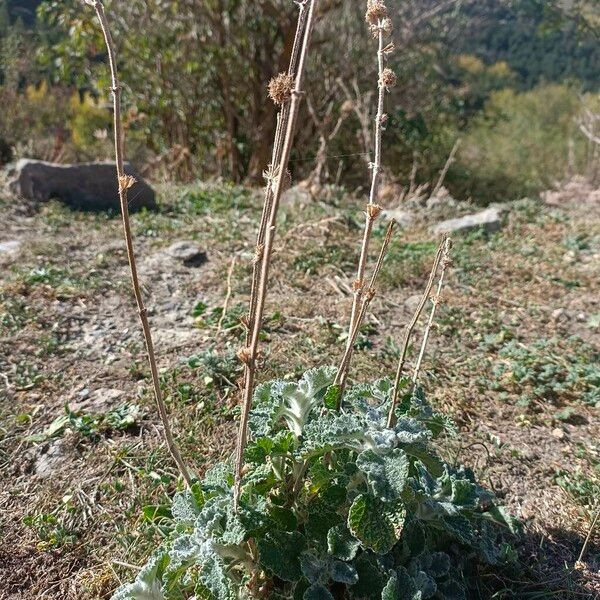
{"x": 520, "y": 144}
{"x": 333, "y": 505}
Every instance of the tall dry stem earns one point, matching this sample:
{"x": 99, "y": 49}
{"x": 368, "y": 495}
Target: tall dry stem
{"x": 435, "y": 301}
{"x": 124, "y": 183}
{"x": 444, "y": 171}
{"x": 409, "y": 330}
{"x": 270, "y": 173}
{"x": 342, "y": 372}
{"x": 249, "y": 354}
{"x": 381, "y": 27}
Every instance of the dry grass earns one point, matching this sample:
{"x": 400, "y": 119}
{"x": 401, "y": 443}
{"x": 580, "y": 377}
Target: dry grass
{"x": 67, "y": 328}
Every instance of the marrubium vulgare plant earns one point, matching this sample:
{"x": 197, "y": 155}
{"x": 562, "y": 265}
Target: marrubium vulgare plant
{"x": 335, "y": 491}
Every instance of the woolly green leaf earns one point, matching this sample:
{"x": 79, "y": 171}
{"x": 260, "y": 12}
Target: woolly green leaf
{"x": 213, "y": 575}
{"x": 283, "y": 517}
{"x": 413, "y": 537}
{"x": 187, "y": 505}
{"x": 332, "y": 431}
{"x": 499, "y": 514}
{"x": 341, "y": 543}
{"x": 371, "y": 521}
{"x": 425, "y": 584}
{"x": 386, "y": 473}
{"x": 148, "y": 583}
{"x": 342, "y": 572}
{"x": 461, "y": 528}
{"x": 437, "y": 564}
{"x": 266, "y": 407}
{"x": 317, "y": 592}
{"x": 315, "y": 569}
{"x": 452, "y": 590}
{"x": 314, "y": 382}
{"x": 400, "y": 586}
{"x": 370, "y": 578}
{"x": 320, "y": 519}
{"x": 280, "y": 551}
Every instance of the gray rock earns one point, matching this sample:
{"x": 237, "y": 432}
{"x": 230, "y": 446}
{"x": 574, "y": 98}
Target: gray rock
{"x": 188, "y": 252}
{"x": 490, "y": 220}
{"x": 298, "y": 194}
{"x": 10, "y": 247}
{"x": 404, "y": 218}
{"x": 441, "y": 199}
{"x": 412, "y": 302}
{"x": 99, "y": 401}
{"x": 84, "y": 186}
{"x": 50, "y": 459}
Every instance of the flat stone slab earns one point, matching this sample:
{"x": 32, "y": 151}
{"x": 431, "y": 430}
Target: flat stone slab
{"x": 490, "y": 220}
{"x": 83, "y": 186}
{"x": 10, "y": 247}
{"x": 404, "y": 218}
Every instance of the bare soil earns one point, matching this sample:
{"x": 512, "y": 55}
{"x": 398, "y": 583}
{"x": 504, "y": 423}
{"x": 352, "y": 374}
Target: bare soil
{"x": 72, "y": 516}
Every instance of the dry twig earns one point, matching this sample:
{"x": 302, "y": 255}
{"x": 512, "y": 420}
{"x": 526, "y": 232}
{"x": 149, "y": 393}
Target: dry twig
{"x": 444, "y": 171}
{"x": 409, "y": 329}
{"x": 227, "y": 295}
{"x": 124, "y": 183}
{"x": 268, "y": 225}
{"x": 380, "y": 25}
{"x": 342, "y": 373}
{"x": 435, "y": 301}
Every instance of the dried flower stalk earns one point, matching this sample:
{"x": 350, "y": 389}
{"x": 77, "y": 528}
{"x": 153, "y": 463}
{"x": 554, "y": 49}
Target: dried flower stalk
{"x": 260, "y": 291}
{"x": 377, "y": 18}
{"x": 342, "y": 373}
{"x": 282, "y": 119}
{"x": 409, "y": 329}
{"x": 435, "y": 301}
{"x": 125, "y": 182}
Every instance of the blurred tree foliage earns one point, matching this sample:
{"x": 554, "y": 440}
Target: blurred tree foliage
{"x": 540, "y": 40}
{"x": 195, "y": 74}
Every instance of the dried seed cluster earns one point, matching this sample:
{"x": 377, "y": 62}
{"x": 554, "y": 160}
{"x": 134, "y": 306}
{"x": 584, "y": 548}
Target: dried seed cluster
{"x": 376, "y": 12}
{"x": 280, "y": 88}
{"x": 126, "y": 181}
{"x": 388, "y": 78}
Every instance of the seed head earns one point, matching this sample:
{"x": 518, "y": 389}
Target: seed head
{"x": 388, "y": 78}
{"x": 376, "y": 11}
{"x": 244, "y": 355}
{"x": 126, "y": 181}
{"x": 373, "y": 210}
{"x": 280, "y": 88}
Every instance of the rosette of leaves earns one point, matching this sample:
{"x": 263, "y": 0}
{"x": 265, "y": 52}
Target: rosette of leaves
{"x": 334, "y": 505}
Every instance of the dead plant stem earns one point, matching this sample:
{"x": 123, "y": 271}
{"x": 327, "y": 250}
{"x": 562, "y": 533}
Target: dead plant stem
{"x": 249, "y": 354}
{"x": 342, "y": 373}
{"x": 408, "y": 332}
{"x": 435, "y": 301}
{"x": 373, "y": 209}
{"x": 124, "y": 182}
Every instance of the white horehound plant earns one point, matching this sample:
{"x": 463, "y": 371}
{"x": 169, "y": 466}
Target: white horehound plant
{"x": 337, "y": 492}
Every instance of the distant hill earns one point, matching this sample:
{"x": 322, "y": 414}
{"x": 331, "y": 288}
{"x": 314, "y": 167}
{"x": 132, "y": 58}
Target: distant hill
{"x": 535, "y": 46}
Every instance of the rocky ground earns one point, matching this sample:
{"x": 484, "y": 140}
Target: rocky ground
{"x": 514, "y": 360}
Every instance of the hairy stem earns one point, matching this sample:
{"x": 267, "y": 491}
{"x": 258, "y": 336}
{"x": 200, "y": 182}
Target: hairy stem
{"x": 282, "y": 119}
{"x": 342, "y": 373}
{"x": 124, "y": 182}
{"x": 434, "y": 304}
{"x": 249, "y": 355}
{"x": 372, "y": 208}
{"x": 409, "y": 329}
